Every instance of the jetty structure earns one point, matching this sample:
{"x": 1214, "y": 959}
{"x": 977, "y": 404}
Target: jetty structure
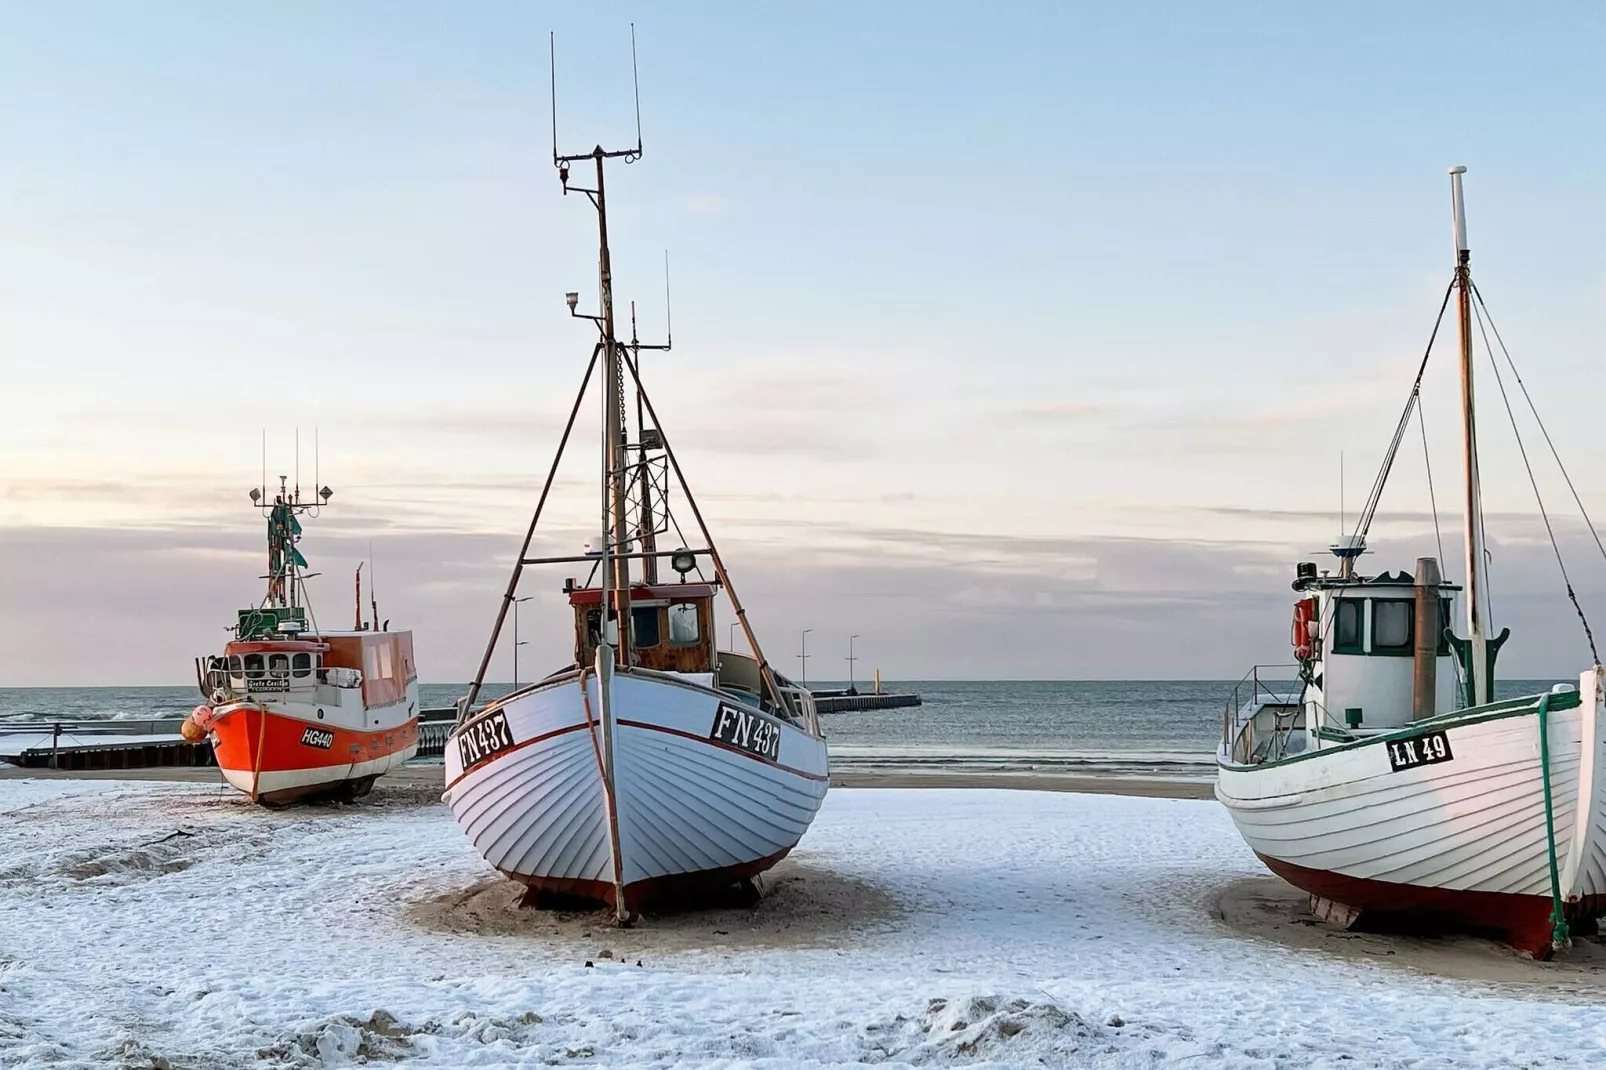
{"x": 294, "y": 711}
{"x": 653, "y": 767}
{"x": 1393, "y": 779}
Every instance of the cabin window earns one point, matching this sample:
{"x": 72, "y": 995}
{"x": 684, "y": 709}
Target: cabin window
{"x": 1392, "y": 626}
{"x": 386, "y": 664}
{"x": 593, "y": 628}
{"x": 301, "y": 665}
{"x": 1444, "y": 627}
{"x": 1347, "y": 626}
{"x": 683, "y": 626}
{"x": 644, "y": 627}
{"x": 279, "y": 664}
{"x": 253, "y": 666}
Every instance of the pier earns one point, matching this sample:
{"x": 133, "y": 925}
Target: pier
{"x": 854, "y": 701}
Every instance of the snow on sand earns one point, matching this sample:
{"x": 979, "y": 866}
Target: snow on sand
{"x": 164, "y": 925}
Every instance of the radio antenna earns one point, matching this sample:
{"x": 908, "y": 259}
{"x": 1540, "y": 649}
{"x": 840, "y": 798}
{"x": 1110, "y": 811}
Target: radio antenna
{"x": 628, "y": 155}
{"x": 635, "y": 81}
{"x": 669, "y": 322}
{"x": 373, "y": 586}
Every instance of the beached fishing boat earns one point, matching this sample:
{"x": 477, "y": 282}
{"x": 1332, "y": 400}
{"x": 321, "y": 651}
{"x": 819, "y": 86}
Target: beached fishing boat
{"x": 654, "y": 767}
{"x": 1391, "y": 780}
{"x": 296, "y": 712}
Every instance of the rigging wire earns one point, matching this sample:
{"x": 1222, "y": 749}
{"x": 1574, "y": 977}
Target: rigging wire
{"x": 1375, "y": 495}
{"x": 1534, "y": 483}
{"x": 1433, "y": 500}
{"x": 1433, "y": 504}
{"x": 1543, "y": 430}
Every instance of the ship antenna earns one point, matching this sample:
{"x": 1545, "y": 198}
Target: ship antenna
{"x": 373, "y": 586}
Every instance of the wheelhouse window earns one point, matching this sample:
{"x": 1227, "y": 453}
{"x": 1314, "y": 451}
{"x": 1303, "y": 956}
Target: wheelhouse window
{"x": 301, "y": 665}
{"x": 253, "y": 666}
{"x": 1347, "y": 626}
{"x": 684, "y": 629}
{"x": 279, "y": 665}
{"x": 644, "y": 626}
{"x": 1392, "y": 626}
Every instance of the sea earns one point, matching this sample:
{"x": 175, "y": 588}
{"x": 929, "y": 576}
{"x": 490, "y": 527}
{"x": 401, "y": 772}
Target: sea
{"x": 1146, "y": 728}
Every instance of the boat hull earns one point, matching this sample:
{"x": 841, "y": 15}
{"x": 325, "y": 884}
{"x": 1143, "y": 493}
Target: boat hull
{"x": 286, "y": 754}
{"x": 689, "y": 812}
{"x": 1460, "y": 841}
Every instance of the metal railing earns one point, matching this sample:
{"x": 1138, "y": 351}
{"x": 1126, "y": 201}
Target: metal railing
{"x": 1252, "y": 691}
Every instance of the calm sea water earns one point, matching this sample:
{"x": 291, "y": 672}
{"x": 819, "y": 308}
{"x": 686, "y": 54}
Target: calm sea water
{"x": 1159, "y": 727}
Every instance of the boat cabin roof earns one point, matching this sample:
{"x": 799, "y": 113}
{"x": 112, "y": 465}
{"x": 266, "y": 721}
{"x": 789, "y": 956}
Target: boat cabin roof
{"x": 592, "y": 596}
{"x": 1383, "y": 579}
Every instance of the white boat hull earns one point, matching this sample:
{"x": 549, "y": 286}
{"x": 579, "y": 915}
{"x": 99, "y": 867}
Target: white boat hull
{"x": 689, "y": 811}
{"x": 1466, "y": 839}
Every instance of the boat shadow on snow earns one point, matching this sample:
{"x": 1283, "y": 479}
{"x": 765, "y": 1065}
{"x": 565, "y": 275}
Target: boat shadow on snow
{"x": 805, "y": 905}
{"x": 1265, "y": 908}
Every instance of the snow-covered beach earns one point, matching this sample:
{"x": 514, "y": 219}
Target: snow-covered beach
{"x": 172, "y": 925}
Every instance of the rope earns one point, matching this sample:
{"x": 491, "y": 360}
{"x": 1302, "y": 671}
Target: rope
{"x": 1375, "y": 495}
{"x": 1549, "y": 530}
{"x": 1542, "y": 429}
{"x": 1558, "y": 919}
{"x": 256, "y": 766}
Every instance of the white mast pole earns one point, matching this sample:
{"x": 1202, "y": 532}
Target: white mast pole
{"x": 1477, "y": 627}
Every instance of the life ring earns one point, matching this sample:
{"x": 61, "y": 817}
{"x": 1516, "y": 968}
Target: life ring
{"x": 1303, "y": 635}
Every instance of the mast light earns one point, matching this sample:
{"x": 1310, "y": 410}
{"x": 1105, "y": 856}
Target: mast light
{"x": 572, "y": 299}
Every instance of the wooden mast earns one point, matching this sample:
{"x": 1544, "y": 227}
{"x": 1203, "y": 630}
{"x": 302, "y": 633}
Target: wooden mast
{"x": 1477, "y": 667}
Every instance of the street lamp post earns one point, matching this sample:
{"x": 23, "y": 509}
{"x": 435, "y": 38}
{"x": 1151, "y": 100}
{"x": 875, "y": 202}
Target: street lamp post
{"x": 804, "y": 657}
{"x": 851, "y": 660}
{"x": 516, "y": 643}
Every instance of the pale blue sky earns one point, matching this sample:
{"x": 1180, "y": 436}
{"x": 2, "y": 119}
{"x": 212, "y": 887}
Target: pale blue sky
{"x": 995, "y": 324}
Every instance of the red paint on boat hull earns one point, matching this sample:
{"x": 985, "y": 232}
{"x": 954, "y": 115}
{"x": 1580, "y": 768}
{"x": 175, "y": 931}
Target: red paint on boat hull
{"x": 1522, "y": 921}
{"x": 654, "y": 891}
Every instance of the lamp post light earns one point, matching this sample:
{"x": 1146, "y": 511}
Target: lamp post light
{"x": 803, "y": 658}
{"x": 516, "y": 643}
{"x": 851, "y": 660}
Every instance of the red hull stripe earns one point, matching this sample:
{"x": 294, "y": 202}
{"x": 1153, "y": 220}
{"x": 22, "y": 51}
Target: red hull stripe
{"x": 722, "y": 745}
{"x": 532, "y": 741}
{"x": 1522, "y": 920}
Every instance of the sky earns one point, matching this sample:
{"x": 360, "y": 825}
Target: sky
{"x": 1020, "y": 341}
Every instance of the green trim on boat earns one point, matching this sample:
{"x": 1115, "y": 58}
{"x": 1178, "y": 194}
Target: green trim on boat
{"x": 1493, "y": 711}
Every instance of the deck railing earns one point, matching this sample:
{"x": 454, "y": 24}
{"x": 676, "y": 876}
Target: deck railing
{"x": 1253, "y": 690}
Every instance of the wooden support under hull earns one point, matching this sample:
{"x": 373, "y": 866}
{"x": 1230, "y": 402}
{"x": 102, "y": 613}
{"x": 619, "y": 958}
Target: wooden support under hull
{"x": 675, "y": 889}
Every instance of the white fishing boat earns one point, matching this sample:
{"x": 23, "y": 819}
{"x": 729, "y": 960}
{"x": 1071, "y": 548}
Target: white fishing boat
{"x": 654, "y": 767}
{"x": 1390, "y": 779}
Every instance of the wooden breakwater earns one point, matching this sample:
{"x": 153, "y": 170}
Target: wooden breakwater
{"x": 853, "y": 701}
{"x": 86, "y": 745}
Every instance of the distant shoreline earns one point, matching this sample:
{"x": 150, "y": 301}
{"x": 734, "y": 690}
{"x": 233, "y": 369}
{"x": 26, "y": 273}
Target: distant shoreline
{"x": 425, "y": 781}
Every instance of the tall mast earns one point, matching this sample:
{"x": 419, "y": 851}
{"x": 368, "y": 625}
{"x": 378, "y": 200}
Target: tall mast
{"x": 1477, "y": 628}
{"x": 616, "y": 567}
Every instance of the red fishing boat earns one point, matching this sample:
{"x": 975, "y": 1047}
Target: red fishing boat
{"x": 296, "y": 712}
